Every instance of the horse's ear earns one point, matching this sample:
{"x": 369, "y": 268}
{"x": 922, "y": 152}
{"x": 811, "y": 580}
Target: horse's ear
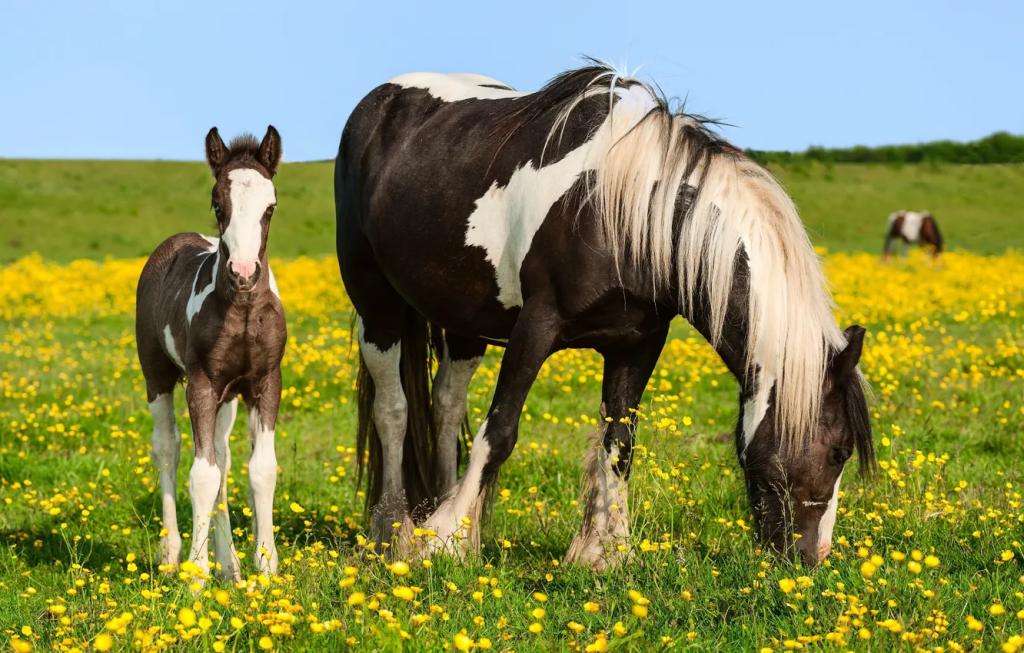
{"x": 270, "y": 150}
{"x": 216, "y": 151}
{"x": 845, "y": 362}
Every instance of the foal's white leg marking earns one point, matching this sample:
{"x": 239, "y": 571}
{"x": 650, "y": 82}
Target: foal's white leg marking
{"x": 755, "y": 408}
{"x": 262, "y": 481}
{"x": 196, "y": 299}
{"x": 464, "y": 503}
{"x": 602, "y": 539}
{"x": 251, "y": 194}
{"x": 203, "y": 485}
{"x": 223, "y": 545}
{"x": 390, "y": 413}
{"x": 506, "y": 218}
{"x": 166, "y": 454}
{"x": 449, "y": 403}
{"x": 171, "y": 349}
{"x": 828, "y": 522}
{"x": 456, "y": 86}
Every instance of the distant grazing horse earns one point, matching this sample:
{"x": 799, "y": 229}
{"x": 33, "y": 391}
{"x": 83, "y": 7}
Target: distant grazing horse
{"x": 208, "y": 311}
{"x": 913, "y": 227}
{"x": 585, "y": 215}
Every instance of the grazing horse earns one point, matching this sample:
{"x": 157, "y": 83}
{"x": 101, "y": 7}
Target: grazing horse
{"x": 585, "y": 215}
{"x": 208, "y": 312}
{"x": 913, "y": 227}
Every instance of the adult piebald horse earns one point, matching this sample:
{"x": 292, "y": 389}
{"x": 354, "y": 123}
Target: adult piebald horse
{"x": 585, "y": 215}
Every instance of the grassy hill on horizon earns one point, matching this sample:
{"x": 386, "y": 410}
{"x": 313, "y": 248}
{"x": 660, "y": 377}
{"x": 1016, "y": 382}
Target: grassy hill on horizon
{"x": 65, "y": 210}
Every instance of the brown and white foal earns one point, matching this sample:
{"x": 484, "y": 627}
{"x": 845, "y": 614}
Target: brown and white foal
{"x": 208, "y": 311}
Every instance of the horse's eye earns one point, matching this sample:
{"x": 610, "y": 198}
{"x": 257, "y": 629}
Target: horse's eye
{"x": 839, "y": 455}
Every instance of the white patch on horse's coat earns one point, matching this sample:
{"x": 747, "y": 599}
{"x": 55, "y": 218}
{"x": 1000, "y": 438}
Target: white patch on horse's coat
{"x": 506, "y": 218}
{"x": 203, "y": 486}
{"x": 166, "y": 454}
{"x": 171, "y": 350}
{"x": 453, "y": 87}
{"x": 464, "y": 501}
{"x": 911, "y": 227}
{"x": 251, "y": 194}
{"x": 449, "y": 407}
{"x": 214, "y": 243}
{"x": 262, "y": 481}
{"x": 196, "y": 299}
{"x": 828, "y": 521}
{"x": 755, "y": 408}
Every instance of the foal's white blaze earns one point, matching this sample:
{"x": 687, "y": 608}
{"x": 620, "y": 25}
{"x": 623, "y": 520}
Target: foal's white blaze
{"x": 251, "y": 194}
{"x": 171, "y": 350}
{"x": 828, "y": 522}
{"x": 464, "y": 502}
{"x": 506, "y": 218}
{"x": 456, "y": 86}
{"x": 196, "y": 299}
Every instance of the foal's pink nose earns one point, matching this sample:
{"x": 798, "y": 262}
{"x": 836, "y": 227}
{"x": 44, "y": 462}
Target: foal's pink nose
{"x": 243, "y": 270}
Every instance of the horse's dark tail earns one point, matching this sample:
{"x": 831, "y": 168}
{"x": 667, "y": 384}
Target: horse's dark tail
{"x": 418, "y": 477}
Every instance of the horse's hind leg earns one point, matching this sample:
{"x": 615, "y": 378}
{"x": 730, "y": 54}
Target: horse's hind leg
{"x": 380, "y": 346}
{"x": 223, "y": 545}
{"x": 161, "y": 377}
{"x": 459, "y": 361}
{"x": 456, "y": 522}
{"x": 603, "y": 537}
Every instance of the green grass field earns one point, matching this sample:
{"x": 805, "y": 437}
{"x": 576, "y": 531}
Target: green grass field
{"x": 927, "y": 552}
{"x": 96, "y": 209}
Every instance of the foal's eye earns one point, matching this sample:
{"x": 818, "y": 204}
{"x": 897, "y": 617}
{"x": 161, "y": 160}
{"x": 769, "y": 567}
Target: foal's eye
{"x": 839, "y": 455}
{"x": 217, "y": 209}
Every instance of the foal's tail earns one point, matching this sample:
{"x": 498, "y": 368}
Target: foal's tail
{"x": 418, "y": 477}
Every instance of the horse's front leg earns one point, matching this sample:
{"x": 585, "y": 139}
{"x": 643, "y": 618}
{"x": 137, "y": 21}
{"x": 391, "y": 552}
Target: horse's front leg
{"x": 455, "y": 525}
{"x": 205, "y": 477}
{"x": 263, "y": 406}
{"x": 603, "y": 537}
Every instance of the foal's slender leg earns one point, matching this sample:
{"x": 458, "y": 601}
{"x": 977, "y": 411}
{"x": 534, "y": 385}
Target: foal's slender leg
{"x": 205, "y": 476}
{"x": 263, "y": 468}
{"x": 166, "y": 454}
{"x": 381, "y": 350}
{"x": 223, "y": 544}
{"x": 456, "y": 522}
{"x": 603, "y": 537}
{"x": 459, "y": 362}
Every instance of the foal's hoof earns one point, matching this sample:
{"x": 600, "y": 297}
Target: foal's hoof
{"x": 231, "y": 572}
{"x": 596, "y": 554}
{"x": 170, "y": 555}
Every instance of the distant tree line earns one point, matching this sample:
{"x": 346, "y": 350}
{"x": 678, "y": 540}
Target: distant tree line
{"x": 1000, "y": 147}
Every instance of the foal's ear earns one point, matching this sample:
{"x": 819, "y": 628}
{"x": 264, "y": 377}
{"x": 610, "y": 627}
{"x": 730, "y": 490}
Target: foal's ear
{"x": 845, "y": 362}
{"x": 270, "y": 150}
{"x": 216, "y": 151}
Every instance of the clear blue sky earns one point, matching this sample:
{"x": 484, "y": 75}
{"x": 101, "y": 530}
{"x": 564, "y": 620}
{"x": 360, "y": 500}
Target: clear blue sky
{"x": 141, "y": 79}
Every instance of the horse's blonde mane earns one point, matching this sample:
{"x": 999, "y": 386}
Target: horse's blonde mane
{"x": 729, "y": 203}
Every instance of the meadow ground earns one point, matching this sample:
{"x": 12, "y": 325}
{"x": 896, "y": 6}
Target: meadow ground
{"x": 927, "y": 552}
